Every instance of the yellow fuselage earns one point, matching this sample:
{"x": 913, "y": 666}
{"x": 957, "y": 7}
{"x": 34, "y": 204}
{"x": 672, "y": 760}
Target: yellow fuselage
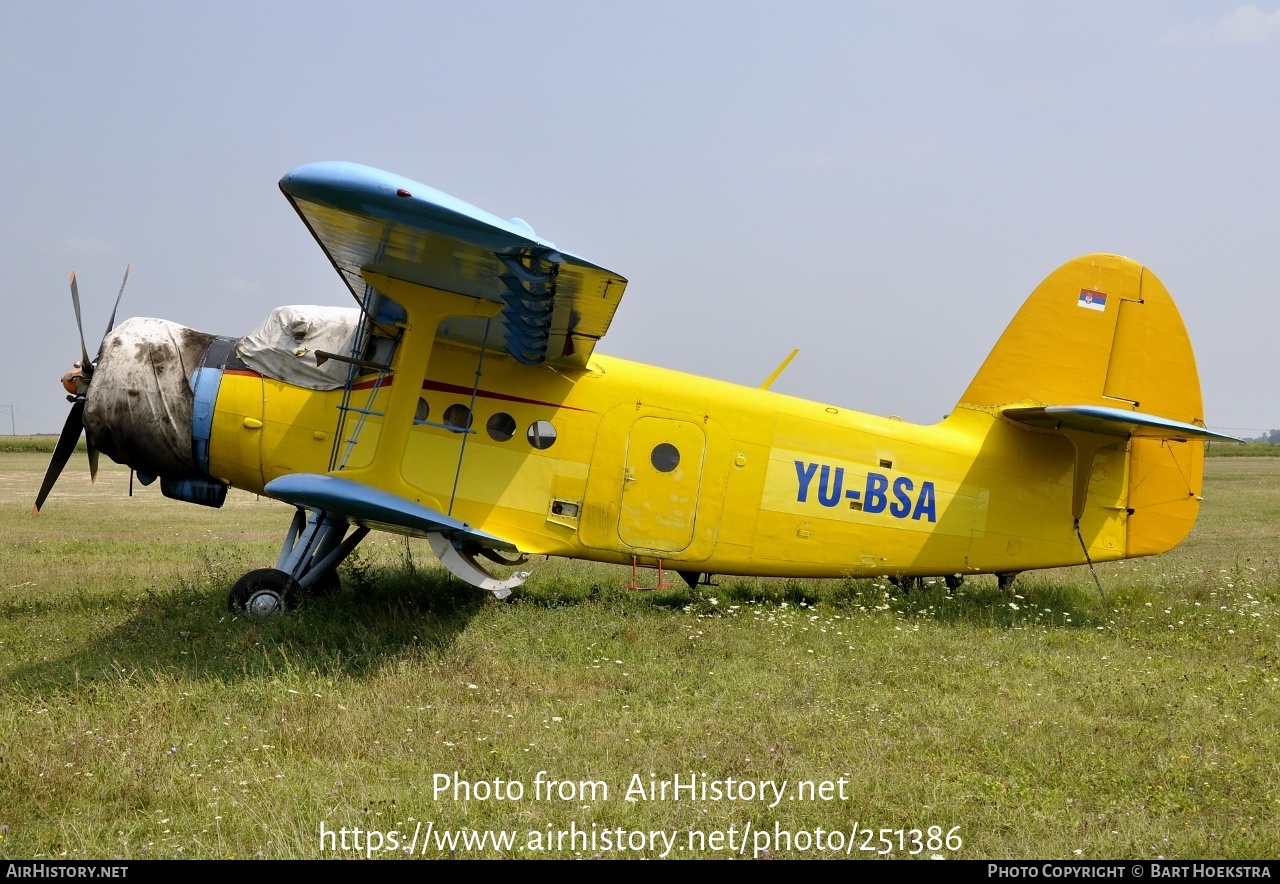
{"x": 763, "y": 483}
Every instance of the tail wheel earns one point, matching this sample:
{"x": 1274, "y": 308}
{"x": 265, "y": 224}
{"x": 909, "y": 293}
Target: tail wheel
{"x": 263, "y": 592}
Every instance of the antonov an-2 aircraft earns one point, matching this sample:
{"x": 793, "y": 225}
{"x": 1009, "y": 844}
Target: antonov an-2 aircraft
{"x": 463, "y": 401}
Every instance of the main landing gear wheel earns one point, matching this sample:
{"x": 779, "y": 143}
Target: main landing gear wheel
{"x": 262, "y": 593}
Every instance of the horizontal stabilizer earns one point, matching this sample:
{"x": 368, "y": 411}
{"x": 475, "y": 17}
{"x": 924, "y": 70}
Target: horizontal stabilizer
{"x": 372, "y": 508}
{"x": 1109, "y": 422}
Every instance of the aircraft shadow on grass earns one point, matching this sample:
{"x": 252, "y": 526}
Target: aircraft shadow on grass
{"x": 383, "y": 615}
{"x": 388, "y": 613}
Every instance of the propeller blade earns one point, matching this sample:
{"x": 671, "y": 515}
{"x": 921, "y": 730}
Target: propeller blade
{"x": 93, "y": 459}
{"x": 75, "y": 302}
{"x": 62, "y": 452}
{"x": 112, "y": 323}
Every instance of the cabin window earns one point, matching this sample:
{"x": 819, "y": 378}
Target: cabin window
{"x": 665, "y": 457}
{"x": 541, "y": 435}
{"x": 457, "y": 417}
{"x": 378, "y": 349}
{"x": 501, "y": 427}
{"x": 423, "y": 411}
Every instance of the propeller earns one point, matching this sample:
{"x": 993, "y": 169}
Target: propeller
{"x": 76, "y": 383}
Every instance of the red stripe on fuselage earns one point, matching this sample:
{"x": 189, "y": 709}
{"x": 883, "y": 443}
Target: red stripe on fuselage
{"x": 441, "y": 387}
{"x": 368, "y": 385}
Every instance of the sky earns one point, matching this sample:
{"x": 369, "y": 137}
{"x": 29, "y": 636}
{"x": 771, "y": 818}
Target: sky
{"x": 878, "y": 184}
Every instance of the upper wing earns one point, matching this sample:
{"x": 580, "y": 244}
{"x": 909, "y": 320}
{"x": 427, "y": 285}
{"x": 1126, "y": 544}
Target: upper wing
{"x": 556, "y": 305}
{"x": 1109, "y": 421}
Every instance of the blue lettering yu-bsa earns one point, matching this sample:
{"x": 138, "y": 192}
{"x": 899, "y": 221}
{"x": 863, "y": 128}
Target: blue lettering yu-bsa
{"x": 905, "y": 502}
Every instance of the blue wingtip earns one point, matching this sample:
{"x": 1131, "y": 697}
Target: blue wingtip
{"x": 365, "y": 190}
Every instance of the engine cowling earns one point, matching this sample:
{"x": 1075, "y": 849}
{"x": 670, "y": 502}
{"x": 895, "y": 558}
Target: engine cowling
{"x": 138, "y": 409}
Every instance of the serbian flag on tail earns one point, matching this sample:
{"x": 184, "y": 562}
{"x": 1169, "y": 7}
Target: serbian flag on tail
{"x": 1091, "y": 300}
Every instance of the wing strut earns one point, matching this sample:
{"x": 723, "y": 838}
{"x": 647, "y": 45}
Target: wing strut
{"x": 342, "y": 448}
{"x": 471, "y": 411}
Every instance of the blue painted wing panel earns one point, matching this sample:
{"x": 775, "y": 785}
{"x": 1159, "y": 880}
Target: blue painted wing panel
{"x": 1110, "y": 421}
{"x": 374, "y": 508}
{"x": 367, "y": 219}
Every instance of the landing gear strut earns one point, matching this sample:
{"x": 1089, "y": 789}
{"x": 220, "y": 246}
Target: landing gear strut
{"x": 314, "y": 547}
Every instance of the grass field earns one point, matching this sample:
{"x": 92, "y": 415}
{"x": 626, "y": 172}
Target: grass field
{"x": 140, "y": 719}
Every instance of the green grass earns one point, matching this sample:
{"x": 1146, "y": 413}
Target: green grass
{"x": 1248, "y": 449}
{"x": 33, "y": 444}
{"x": 141, "y": 719}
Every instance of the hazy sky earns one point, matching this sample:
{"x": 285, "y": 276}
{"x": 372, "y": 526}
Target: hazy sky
{"x": 879, "y": 184}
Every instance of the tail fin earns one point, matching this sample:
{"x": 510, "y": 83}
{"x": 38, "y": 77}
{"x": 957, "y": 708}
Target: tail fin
{"x": 1103, "y": 331}
{"x": 1100, "y": 330}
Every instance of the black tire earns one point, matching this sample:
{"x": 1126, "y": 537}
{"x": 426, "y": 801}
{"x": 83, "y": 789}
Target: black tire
{"x": 953, "y": 581}
{"x": 1005, "y": 581}
{"x": 263, "y": 593}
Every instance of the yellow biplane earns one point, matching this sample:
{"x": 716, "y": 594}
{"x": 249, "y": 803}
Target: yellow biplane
{"x": 463, "y": 401}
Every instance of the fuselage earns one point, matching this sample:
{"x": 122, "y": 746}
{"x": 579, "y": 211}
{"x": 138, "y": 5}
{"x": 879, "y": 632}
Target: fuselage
{"x": 624, "y": 461}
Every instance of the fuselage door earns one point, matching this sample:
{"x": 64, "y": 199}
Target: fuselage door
{"x": 660, "y": 485}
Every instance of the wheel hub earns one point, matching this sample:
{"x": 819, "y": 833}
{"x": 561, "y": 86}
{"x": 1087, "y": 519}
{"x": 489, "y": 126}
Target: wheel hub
{"x": 264, "y": 603}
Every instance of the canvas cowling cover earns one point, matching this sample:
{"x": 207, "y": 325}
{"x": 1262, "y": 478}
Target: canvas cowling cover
{"x": 138, "y": 407}
{"x": 284, "y": 346}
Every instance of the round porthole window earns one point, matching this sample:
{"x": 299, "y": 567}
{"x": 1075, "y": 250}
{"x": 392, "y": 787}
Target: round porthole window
{"x": 501, "y": 427}
{"x": 423, "y": 411}
{"x": 541, "y": 435}
{"x": 457, "y": 417}
{"x": 665, "y": 457}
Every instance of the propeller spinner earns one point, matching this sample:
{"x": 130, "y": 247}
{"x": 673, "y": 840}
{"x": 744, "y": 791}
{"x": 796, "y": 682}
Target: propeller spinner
{"x": 76, "y": 382}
